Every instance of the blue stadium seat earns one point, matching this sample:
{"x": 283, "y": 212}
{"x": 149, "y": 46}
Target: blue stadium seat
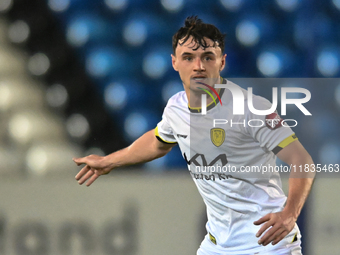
{"x": 139, "y": 121}
{"x": 103, "y": 62}
{"x": 86, "y": 28}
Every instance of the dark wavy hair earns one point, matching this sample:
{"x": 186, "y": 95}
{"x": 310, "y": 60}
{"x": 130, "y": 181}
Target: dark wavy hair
{"x": 195, "y": 27}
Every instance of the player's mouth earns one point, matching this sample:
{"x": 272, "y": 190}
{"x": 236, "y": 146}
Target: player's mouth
{"x": 198, "y": 77}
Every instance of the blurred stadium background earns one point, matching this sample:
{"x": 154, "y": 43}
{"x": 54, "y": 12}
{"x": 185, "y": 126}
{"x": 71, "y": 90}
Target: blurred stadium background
{"x": 90, "y": 76}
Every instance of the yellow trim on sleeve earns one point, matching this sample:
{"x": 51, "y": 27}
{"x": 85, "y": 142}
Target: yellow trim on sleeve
{"x": 157, "y": 134}
{"x": 287, "y": 141}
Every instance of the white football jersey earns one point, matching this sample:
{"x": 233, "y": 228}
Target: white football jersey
{"x": 231, "y": 159}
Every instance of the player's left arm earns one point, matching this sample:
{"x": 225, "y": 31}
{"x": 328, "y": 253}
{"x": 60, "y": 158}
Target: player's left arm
{"x": 278, "y": 225}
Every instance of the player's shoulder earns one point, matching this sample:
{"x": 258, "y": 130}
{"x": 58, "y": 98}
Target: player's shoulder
{"x": 178, "y": 100}
{"x": 260, "y": 102}
{"x": 229, "y": 83}
{"x": 257, "y": 101}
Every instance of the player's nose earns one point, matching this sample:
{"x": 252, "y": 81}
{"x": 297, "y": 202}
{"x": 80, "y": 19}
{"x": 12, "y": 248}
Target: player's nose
{"x": 198, "y": 65}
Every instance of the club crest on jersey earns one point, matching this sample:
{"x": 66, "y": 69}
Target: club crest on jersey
{"x": 273, "y": 121}
{"x": 217, "y": 136}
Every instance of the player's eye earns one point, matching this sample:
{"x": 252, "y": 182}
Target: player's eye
{"x": 187, "y": 58}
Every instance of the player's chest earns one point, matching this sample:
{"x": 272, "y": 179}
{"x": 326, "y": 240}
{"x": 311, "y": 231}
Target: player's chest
{"x": 208, "y": 133}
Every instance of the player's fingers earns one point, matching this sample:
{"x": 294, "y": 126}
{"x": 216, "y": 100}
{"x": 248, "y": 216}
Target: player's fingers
{"x": 271, "y": 235}
{"x": 268, "y": 236}
{"x": 262, "y": 220}
{"x": 86, "y": 176}
{"x": 280, "y": 237}
{"x": 79, "y": 161}
{"x": 83, "y": 171}
{"x": 264, "y": 227}
{"x": 93, "y": 178}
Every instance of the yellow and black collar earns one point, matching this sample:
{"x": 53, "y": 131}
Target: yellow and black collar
{"x": 211, "y": 105}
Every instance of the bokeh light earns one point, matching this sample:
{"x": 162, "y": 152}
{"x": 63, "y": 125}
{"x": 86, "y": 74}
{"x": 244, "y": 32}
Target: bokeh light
{"x": 38, "y": 64}
{"x": 232, "y": 5}
{"x": 5, "y": 5}
{"x": 45, "y": 158}
{"x": 269, "y": 64}
{"x": 328, "y": 63}
{"x": 37, "y": 161}
{"x": 336, "y": 3}
{"x": 116, "y": 5}
{"x": 31, "y": 125}
{"x": 85, "y": 28}
{"x": 156, "y": 64}
{"x": 56, "y": 95}
{"x": 18, "y": 31}
{"x": 20, "y": 128}
{"x": 288, "y": 5}
{"x": 58, "y": 5}
{"x": 171, "y": 88}
{"x": 77, "y": 33}
{"x": 13, "y": 94}
{"x": 116, "y": 96}
{"x": 78, "y": 126}
{"x": 135, "y": 32}
{"x": 95, "y": 151}
{"x": 104, "y": 61}
{"x": 247, "y": 33}
{"x": 135, "y": 125}
{"x": 173, "y": 5}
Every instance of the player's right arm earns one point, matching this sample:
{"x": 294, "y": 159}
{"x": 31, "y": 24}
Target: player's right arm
{"x": 144, "y": 149}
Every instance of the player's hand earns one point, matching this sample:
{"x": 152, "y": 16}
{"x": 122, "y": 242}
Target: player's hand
{"x": 278, "y": 225}
{"x": 95, "y": 167}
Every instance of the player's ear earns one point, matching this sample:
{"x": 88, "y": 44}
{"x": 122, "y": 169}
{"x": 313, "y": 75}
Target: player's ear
{"x": 174, "y": 62}
{"x": 223, "y": 62}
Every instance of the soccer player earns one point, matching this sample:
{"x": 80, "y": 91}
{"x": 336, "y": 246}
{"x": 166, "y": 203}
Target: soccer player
{"x": 245, "y": 213}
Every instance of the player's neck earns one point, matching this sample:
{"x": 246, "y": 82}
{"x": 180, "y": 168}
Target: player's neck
{"x": 195, "y": 98}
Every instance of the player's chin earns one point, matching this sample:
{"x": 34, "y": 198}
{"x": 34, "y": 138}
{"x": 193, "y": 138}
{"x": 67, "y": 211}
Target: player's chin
{"x": 207, "y": 81}
{"x": 197, "y": 84}
{"x": 198, "y": 88}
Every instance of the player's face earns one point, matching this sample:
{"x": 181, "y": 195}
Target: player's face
{"x": 198, "y": 64}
